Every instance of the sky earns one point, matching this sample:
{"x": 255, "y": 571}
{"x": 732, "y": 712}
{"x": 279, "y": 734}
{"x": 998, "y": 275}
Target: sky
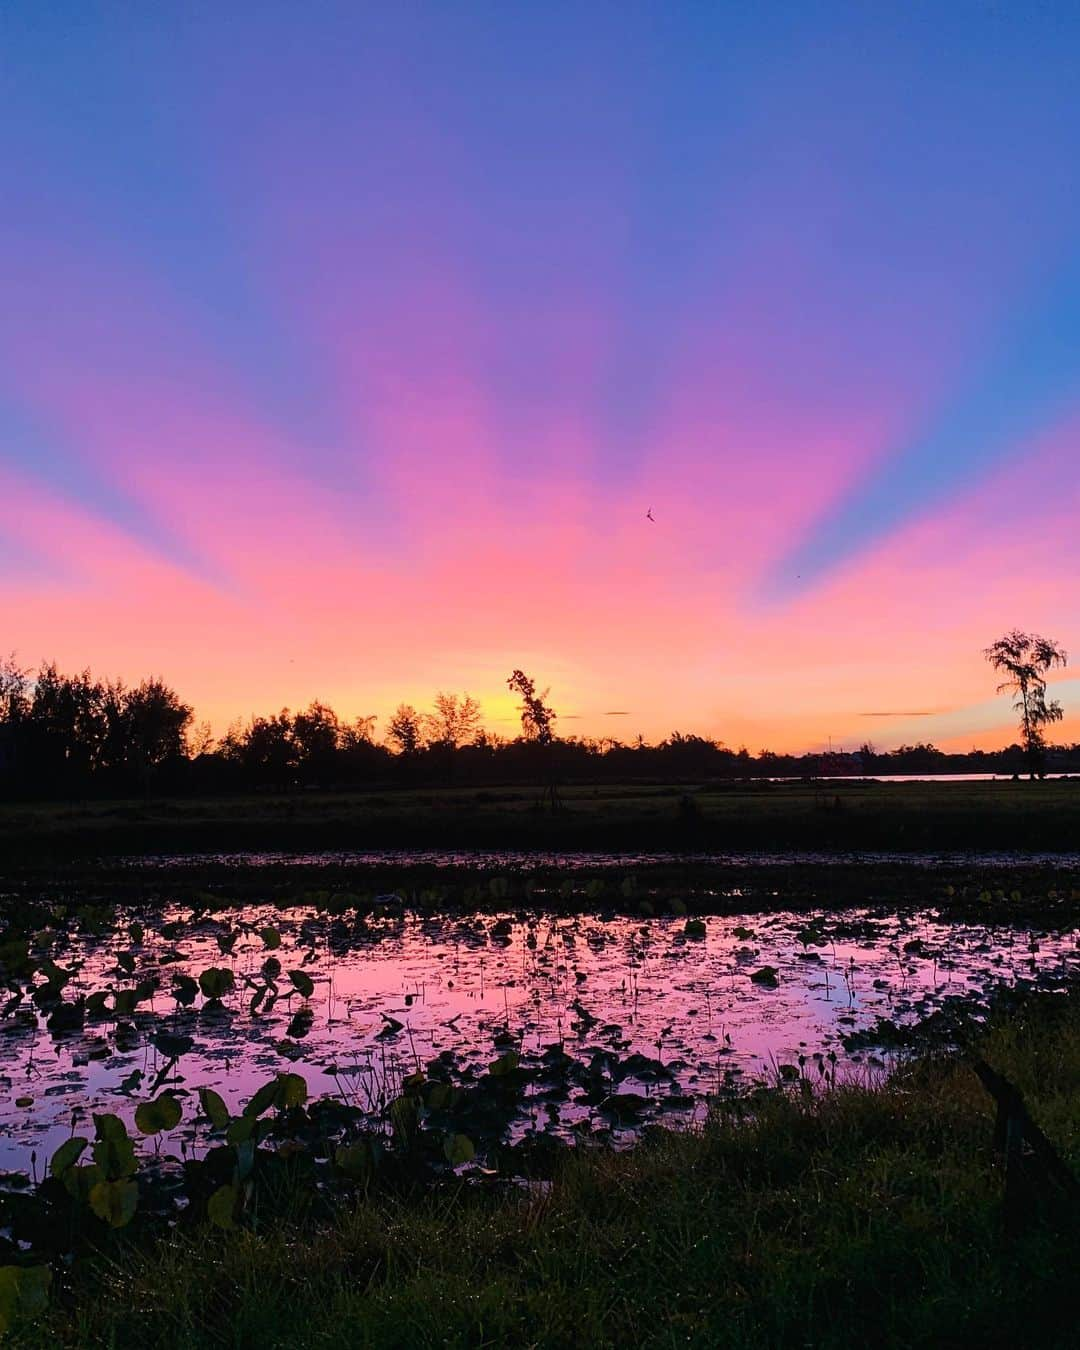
{"x": 345, "y": 347}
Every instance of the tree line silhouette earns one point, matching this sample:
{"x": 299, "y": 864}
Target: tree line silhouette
{"x": 63, "y": 736}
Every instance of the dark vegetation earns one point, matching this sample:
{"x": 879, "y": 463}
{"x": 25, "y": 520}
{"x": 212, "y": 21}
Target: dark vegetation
{"x": 67, "y": 737}
{"x": 1025, "y": 659}
{"x": 799, "y": 1214}
{"x": 682, "y": 817}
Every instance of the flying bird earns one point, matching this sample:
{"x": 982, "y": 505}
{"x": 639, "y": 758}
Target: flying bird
{"x": 649, "y": 515}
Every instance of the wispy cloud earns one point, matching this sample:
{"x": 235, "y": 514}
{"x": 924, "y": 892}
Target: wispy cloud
{"x": 907, "y": 712}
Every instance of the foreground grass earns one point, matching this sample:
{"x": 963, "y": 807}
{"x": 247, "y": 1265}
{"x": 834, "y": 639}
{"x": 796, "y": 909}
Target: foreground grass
{"x": 864, "y": 1215}
{"x": 832, "y": 816}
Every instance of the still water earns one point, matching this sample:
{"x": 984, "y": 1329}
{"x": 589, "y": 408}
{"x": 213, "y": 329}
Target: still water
{"x": 664, "y": 1009}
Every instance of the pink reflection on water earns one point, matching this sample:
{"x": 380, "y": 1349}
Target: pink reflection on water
{"x": 396, "y": 990}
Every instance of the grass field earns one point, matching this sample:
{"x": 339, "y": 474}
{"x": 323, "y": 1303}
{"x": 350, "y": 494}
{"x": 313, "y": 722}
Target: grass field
{"x": 863, "y": 1215}
{"x": 903, "y": 817}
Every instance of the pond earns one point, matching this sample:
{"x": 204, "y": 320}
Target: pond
{"x": 590, "y": 861}
{"x": 614, "y": 1020}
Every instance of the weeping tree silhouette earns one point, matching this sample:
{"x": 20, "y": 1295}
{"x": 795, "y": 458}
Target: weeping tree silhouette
{"x": 537, "y": 724}
{"x": 1025, "y": 658}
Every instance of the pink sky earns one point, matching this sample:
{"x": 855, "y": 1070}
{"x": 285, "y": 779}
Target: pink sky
{"x": 348, "y": 367}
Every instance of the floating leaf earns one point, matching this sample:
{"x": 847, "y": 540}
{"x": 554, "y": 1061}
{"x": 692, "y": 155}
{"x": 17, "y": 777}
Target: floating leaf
{"x": 271, "y": 938}
{"x": 124, "y": 1002}
{"x": 695, "y": 928}
{"x": 184, "y": 990}
{"x": 163, "y": 1113}
{"x": 767, "y": 976}
{"x": 505, "y": 1064}
{"x": 303, "y": 982}
{"x": 172, "y": 1046}
{"x": 216, "y": 982}
{"x": 625, "y": 1105}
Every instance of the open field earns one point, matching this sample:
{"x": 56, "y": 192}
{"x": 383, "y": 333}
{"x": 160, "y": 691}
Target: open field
{"x": 896, "y": 817}
{"x": 808, "y": 1219}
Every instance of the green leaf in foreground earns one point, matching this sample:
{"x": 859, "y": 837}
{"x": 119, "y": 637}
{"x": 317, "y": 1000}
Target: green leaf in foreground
{"x": 768, "y": 976}
{"x": 459, "y": 1148}
{"x": 115, "y": 1202}
{"x": 221, "y": 1207}
{"x": 358, "y": 1160}
{"x": 214, "y": 1108}
{"x": 24, "y": 1290}
{"x": 504, "y": 1064}
{"x": 284, "y": 1091}
{"x": 114, "y": 1152}
{"x": 67, "y": 1155}
{"x": 163, "y": 1113}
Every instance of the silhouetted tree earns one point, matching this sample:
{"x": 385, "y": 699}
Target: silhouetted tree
{"x": 537, "y": 717}
{"x": 157, "y": 722}
{"x": 267, "y": 751}
{"x": 200, "y": 740}
{"x": 405, "y": 729}
{"x": 14, "y": 684}
{"x": 537, "y": 725}
{"x": 63, "y": 734}
{"x": 316, "y": 738}
{"x": 66, "y": 723}
{"x": 1025, "y": 659}
{"x": 454, "y": 721}
{"x": 14, "y": 706}
{"x": 359, "y": 756}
